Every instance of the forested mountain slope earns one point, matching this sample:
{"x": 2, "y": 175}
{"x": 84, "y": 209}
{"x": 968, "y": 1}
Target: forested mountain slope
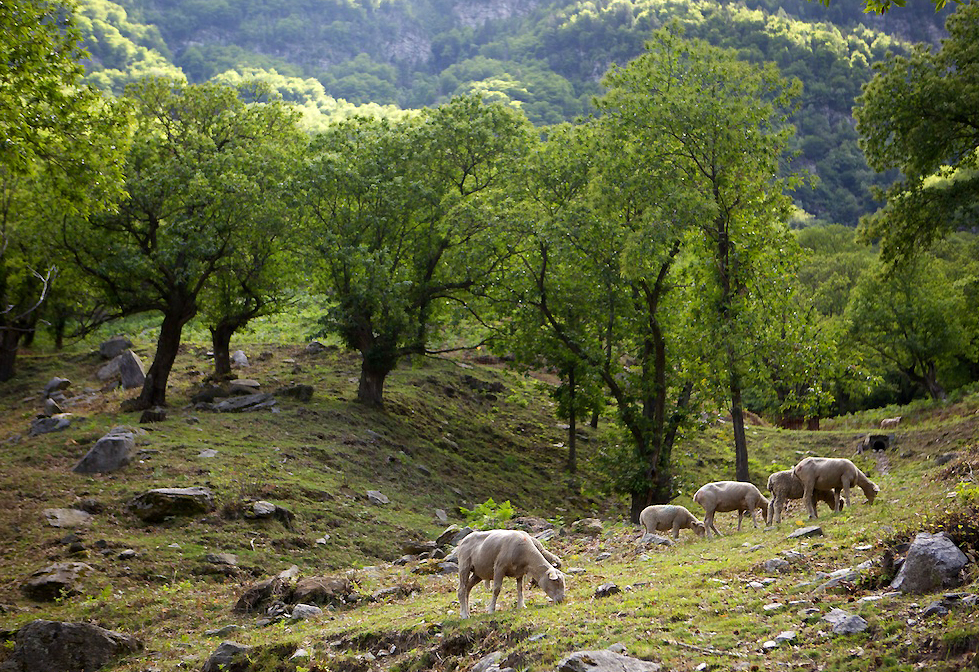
{"x": 545, "y": 57}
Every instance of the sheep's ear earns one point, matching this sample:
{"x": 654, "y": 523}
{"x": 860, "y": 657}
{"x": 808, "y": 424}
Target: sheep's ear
{"x": 554, "y": 575}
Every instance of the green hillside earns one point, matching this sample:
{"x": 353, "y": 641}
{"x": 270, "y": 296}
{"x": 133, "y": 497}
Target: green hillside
{"x": 455, "y": 434}
{"x": 545, "y": 58}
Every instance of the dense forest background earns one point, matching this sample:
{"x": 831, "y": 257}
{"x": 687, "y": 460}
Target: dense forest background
{"x": 335, "y": 57}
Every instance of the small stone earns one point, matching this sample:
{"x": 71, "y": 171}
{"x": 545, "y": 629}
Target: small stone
{"x": 305, "y": 611}
{"x": 777, "y": 565}
{"x": 376, "y": 497}
{"x": 607, "y": 589}
{"x": 773, "y": 606}
{"x": 810, "y": 531}
{"x": 851, "y": 625}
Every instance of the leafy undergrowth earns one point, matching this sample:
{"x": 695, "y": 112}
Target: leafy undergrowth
{"x": 445, "y": 442}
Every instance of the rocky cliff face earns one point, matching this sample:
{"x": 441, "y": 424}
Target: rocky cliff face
{"x": 473, "y": 13}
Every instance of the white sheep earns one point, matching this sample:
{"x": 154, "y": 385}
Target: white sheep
{"x": 832, "y": 473}
{"x": 890, "y": 423}
{"x": 663, "y": 517}
{"x": 497, "y": 554}
{"x": 785, "y": 486}
{"x": 722, "y": 496}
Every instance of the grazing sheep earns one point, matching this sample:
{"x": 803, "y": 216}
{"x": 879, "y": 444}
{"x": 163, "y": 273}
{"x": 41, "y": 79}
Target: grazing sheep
{"x": 497, "y": 554}
{"x": 890, "y": 423}
{"x": 663, "y": 517}
{"x": 722, "y": 496}
{"x": 785, "y": 486}
{"x": 832, "y": 473}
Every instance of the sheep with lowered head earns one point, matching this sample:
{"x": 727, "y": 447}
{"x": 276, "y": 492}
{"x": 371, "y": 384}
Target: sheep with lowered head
{"x": 832, "y": 473}
{"x": 785, "y": 486}
{"x": 497, "y": 554}
{"x": 663, "y": 517}
{"x": 722, "y": 496}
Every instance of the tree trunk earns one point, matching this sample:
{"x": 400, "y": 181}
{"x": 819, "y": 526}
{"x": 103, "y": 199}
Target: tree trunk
{"x": 155, "y": 386}
{"x": 737, "y": 422}
{"x": 9, "y": 338}
{"x": 572, "y": 428}
{"x": 370, "y": 391}
{"x": 221, "y": 345}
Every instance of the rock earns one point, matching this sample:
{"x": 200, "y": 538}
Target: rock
{"x": 244, "y": 386}
{"x": 239, "y": 359}
{"x": 835, "y": 616}
{"x": 376, "y": 497}
{"x": 223, "y": 631}
{"x": 55, "y": 581}
{"x": 222, "y": 559}
{"x": 591, "y": 526}
{"x": 247, "y": 402}
{"x": 777, "y": 565}
{"x": 56, "y": 384}
{"x": 810, "y": 531}
{"x": 113, "y": 451}
{"x": 945, "y": 458}
{"x": 228, "y": 657}
{"x": 55, "y": 423}
{"x": 155, "y": 414}
{"x": 51, "y": 407}
{"x": 441, "y": 516}
{"x": 302, "y": 611}
{"x": 448, "y": 534}
{"x": 785, "y": 636}
{"x": 259, "y": 594}
{"x": 68, "y": 517}
{"x": 52, "y": 646}
{"x": 935, "y": 609}
{"x": 330, "y": 590}
{"x": 933, "y": 562}
{"x": 131, "y": 371}
{"x": 418, "y": 547}
{"x": 263, "y": 509}
{"x": 114, "y": 347}
{"x": 607, "y": 589}
{"x": 297, "y": 392}
{"x": 650, "y": 539}
{"x": 208, "y": 394}
{"x": 605, "y": 661}
{"x": 488, "y": 663}
{"x": 314, "y": 348}
{"x": 460, "y": 535}
{"x": 156, "y": 505}
{"x": 850, "y": 625}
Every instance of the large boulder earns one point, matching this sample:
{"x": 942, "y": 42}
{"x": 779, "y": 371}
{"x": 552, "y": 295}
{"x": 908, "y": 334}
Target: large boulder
{"x": 114, "y": 347}
{"x": 127, "y": 367}
{"x": 55, "y": 581}
{"x": 113, "y": 451}
{"x": 228, "y": 657}
{"x": 156, "y": 505}
{"x": 605, "y": 661}
{"x": 331, "y": 590}
{"x": 51, "y": 646}
{"x": 278, "y": 588}
{"x": 933, "y": 562}
{"x": 56, "y": 384}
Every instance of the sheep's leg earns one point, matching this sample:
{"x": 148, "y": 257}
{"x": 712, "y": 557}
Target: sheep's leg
{"x": 740, "y": 516}
{"x": 846, "y": 495}
{"x": 466, "y": 583}
{"x": 497, "y": 587}
{"x": 676, "y": 529}
{"x": 754, "y": 521}
{"x": 709, "y": 524}
{"x": 519, "y": 592}
{"x": 807, "y": 497}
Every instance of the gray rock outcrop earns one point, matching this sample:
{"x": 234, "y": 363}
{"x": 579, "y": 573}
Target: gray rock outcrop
{"x": 114, "y": 347}
{"x": 933, "y": 562}
{"x": 67, "y": 517}
{"x": 605, "y": 661}
{"x": 55, "y": 581}
{"x": 113, "y": 451}
{"x": 52, "y": 646}
{"x": 126, "y": 367}
{"x": 156, "y": 505}
{"x": 55, "y": 423}
{"x": 228, "y": 657}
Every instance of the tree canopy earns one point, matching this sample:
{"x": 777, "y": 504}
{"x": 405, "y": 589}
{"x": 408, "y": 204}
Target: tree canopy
{"x": 920, "y": 114}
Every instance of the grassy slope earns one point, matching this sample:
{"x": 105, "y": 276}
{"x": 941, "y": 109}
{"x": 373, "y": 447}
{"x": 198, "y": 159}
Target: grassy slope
{"x": 442, "y": 444}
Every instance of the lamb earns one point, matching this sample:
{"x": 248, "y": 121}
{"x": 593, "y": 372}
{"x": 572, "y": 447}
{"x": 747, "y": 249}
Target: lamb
{"x": 497, "y": 554}
{"x": 890, "y": 423}
{"x": 785, "y": 486}
{"x": 836, "y": 473}
{"x": 722, "y": 496}
{"x": 662, "y": 517}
